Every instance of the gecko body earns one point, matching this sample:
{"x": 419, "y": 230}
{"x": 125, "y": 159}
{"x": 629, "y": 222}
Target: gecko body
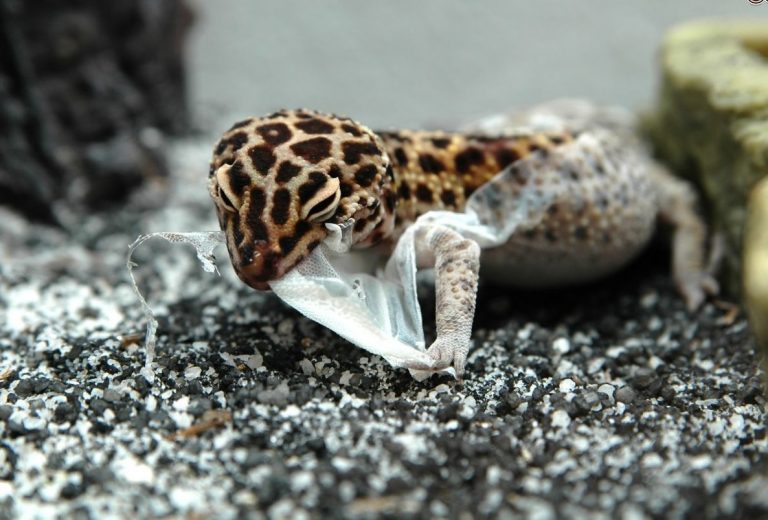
{"x": 277, "y": 180}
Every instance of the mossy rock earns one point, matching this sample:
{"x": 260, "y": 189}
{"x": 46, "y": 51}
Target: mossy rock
{"x": 711, "y": 120}
{"x": 755, "y": 264}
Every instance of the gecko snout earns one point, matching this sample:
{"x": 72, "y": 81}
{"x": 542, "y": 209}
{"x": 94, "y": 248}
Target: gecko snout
{"x": 265, "y": 260}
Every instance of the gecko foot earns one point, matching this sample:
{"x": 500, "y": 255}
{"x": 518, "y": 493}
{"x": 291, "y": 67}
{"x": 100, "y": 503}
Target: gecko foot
{"x": 695, "y": 287}
{"x": 449, "y": 352}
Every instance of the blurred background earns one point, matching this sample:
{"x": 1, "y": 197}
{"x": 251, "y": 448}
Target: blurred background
{"x": 410, "y": 63}
{"x": 90, "y": 90}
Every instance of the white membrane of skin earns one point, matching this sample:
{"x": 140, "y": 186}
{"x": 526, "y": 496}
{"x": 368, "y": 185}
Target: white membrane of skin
{"x": 381, "y": 313}
{"x": 204, "y": 243}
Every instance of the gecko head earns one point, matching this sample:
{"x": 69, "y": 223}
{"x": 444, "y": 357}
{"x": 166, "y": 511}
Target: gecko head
{"x": 276, "y": 181}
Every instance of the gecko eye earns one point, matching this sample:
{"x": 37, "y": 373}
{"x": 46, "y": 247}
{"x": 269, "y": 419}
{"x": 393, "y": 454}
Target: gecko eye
{"x": 225, "y": 201}
{"x": 322, "y": 207}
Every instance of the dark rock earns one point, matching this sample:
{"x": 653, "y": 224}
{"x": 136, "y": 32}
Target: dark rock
{"x": 668, "y": 393}
{"x": 82, "y": 88}
{"x": 447, "y": 412}
{"x": 101, "y": 427}
{"x": 750, "y": 392}
{"x": 65, "y": 412}
{"x": 654, "y": 388}
{"x": 18, "y": 428}
{"x": 141, "y": 385}
{"x": 75, "y": 350}
{"x": 317, "y": 446}
{"x": 200, "y": 405}
{"x": 625, "y": 395}
{"x": 97, "y": 475}
{"x": 513, "y": 400}
{"x": 8, "y": 464}
{"x": 71, "y": 490}
{"x": 98, "y": 405}
{"x": 403, "y": 405}
{"x": 56, "y": 387}
{"x": 123, "y": 412}
{"x": 140, "y": 421}
{"x": 537, "y": 393}
{"x": 586, "y": 401}
{"x": 645, "y": 377}
{"x": 30, "y": 386}
{"x": 111, "y": 396}
{"x": 194, "y": 388}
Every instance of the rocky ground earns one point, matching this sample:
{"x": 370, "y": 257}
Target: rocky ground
{"x": 610, "y": 401}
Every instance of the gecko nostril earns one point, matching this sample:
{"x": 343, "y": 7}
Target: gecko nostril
{"x": 270, "y": 250}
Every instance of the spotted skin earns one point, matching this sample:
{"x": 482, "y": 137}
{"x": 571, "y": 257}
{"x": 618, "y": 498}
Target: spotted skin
{"x": 277, "y": 180}
{"x": 437, "y": 170}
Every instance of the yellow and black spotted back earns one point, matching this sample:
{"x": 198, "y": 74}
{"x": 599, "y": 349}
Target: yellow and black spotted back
{"x": 278, "y": 180}
{"x": 439, "y": 170}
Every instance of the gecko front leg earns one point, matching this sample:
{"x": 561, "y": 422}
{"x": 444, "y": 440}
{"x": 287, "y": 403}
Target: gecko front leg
{"x": 457, "y": 263}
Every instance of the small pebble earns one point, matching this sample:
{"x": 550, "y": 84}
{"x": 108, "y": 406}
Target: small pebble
{"x": 567, "y": 385}
{"x": 111, "y": 396}
{"x": 192, "y": 372}
{"x": 560, "y": 419}
{"x": 625, "y": 394}
{"x": 607, "y": 389}
{"x": 561, "y": 345}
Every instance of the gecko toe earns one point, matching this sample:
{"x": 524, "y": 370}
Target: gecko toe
{"x": 441, "y": 354}
{"x": 459, "y": 362}
{"x": 695, "y": 288}
{"x": 447, "y": 354}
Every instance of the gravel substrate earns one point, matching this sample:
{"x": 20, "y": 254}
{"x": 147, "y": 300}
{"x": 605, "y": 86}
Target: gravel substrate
{"x": 609, "y": 401}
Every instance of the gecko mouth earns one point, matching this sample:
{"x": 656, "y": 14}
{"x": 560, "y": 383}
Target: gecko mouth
{"x": 260, "y": 264}
{"x": 267, "y": 263}
{"x": 259, "y": 286}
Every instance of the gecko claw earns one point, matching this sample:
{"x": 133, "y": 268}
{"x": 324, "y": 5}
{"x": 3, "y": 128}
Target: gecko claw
{"x": 446, "y": 353}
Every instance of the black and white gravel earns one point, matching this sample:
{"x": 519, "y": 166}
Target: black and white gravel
{"x": 609, "y": 401}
